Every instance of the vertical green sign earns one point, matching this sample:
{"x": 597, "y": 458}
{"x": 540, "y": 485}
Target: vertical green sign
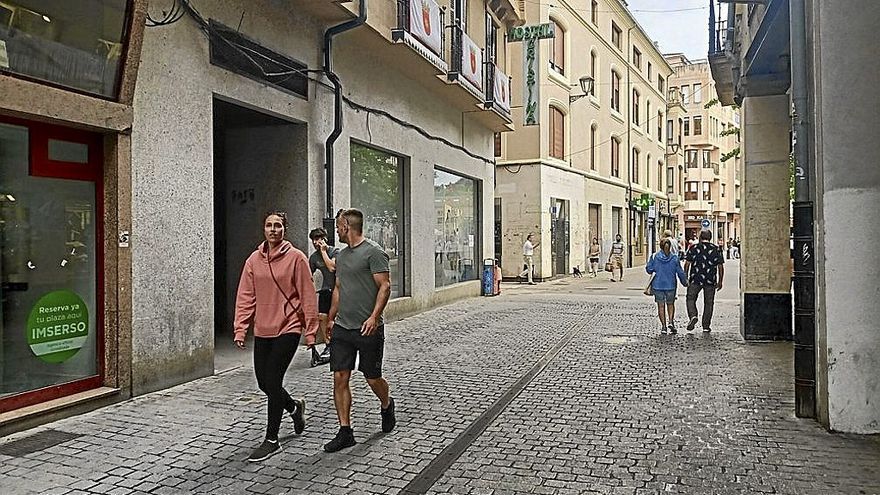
{"x": 532, "y": 87}
{"x": 58, "y": 326}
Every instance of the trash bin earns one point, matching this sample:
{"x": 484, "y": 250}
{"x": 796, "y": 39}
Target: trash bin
{"x": 487, "y": 285}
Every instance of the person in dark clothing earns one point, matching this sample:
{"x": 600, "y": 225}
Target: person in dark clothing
{"x": 705, "y": 269}
{"x": 323, "y": 260}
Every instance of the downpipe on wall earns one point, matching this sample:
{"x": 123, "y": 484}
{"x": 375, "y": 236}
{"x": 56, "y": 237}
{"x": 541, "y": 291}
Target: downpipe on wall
{"x": 329, "y": 220}
{"x": 804, "y": 276}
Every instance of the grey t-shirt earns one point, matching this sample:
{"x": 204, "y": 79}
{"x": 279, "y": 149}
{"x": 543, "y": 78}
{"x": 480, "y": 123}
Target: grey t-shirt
{"x": 357, "y": 289}
{"x": 316, "y": 262}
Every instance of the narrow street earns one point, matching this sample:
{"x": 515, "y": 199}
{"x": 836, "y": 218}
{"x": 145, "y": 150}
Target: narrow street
{"x": 564, "y": 387}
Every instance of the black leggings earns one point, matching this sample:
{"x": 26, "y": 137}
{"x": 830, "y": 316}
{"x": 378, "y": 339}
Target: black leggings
{"x": 272, "y": 356}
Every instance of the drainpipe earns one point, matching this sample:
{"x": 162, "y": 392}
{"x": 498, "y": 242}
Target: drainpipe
{"x": 804, "y": 276}
{"x": 329, "y": 221}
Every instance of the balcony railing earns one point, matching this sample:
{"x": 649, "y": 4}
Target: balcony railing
{"x": 497, "y": 86}
{"x": 716, "y": 168}
{"x": 467, "y": 62}
{"x": 420, "y": 25}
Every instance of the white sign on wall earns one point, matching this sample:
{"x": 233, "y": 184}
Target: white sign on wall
{"x": 424, "y": 23}
{"x": 502, "y": 90}
{"x": 471, "y": 61}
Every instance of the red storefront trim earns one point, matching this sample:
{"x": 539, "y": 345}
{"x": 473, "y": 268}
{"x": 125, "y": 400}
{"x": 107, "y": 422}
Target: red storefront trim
{"x": 41, "y": 166}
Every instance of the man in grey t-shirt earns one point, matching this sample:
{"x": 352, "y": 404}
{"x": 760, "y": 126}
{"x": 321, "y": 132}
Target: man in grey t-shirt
{"x": 363, "y": 286}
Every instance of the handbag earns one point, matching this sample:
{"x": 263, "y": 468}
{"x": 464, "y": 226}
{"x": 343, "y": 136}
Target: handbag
{"x": 609, "y": 267}
{"x": 649, "y": 289}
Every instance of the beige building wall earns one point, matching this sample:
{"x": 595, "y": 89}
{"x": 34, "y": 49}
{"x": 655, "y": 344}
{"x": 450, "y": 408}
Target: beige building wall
{"x": 587, "y": 154}
{"x": 692, "y": 83}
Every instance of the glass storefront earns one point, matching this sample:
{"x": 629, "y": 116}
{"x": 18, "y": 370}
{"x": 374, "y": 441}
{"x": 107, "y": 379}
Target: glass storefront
{"x": 67, "y": 43}
{"x": 455, "y": 229}
{"x": 50, "y": 326}
{"x": 377, "y": 189}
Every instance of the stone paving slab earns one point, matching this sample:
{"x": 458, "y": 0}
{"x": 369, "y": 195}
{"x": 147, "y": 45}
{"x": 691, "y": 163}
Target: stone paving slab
{"x": 620, "y": 409}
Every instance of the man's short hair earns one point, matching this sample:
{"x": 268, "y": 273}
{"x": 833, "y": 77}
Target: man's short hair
{"x": 354, "y": 218}
{"x": 705, "y": 235}
{"x": 318, "y": 233}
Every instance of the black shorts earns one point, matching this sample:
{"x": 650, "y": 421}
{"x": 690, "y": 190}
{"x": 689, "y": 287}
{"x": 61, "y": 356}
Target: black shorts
{"x": 325, "y": 298}
{"x": 347, "y": 345}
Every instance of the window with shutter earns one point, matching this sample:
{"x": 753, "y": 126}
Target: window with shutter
{"x": 557, "y": 50}
{"x": 557, "y": 133}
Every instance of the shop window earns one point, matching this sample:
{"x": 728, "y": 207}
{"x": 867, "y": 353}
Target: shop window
{"x": 51, "y": 328}
{"x": 456, "y": 228}
{"x": 56, "y": 42}
{"x": 378, "y": 190}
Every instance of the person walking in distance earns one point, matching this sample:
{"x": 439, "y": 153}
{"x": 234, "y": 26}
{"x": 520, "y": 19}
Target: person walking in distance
{"x": 528, "y": 259}
{"x": 363, "y": 286}
{"x": 323, "y": 260}
{"x": 705, "y": 268}
{"x": 618, "y": 248}
{"x": 665, "y": 266}
{"x": 275, "y": 293}
{"x": 595, "y": 253}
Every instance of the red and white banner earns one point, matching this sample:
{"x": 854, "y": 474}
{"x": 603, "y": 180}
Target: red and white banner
{"x": 424, "y": 23}
{"x": 471, "y": 61}
{"x": 501, "y": 92}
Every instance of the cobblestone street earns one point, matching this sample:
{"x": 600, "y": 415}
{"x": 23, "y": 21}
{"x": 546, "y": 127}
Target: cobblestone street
{"x": 565, "y": 387}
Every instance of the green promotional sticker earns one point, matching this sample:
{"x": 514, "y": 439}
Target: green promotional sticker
{"x": 58, "y": 326}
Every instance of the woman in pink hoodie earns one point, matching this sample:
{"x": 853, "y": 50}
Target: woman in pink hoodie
{"x": 277, "y": 295}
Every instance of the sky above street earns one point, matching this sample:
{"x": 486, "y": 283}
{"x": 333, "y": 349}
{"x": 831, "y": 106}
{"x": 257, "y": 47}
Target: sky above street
{"x": 678, "y": 25}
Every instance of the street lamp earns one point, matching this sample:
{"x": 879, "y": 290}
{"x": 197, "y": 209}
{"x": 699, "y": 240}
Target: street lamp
{"x": 586, "y": 83}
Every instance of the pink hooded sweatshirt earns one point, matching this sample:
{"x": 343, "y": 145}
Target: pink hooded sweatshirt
{"x": 259, "y": 299}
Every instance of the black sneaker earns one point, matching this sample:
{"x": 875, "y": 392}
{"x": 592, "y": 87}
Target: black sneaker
{"x": 672, "y": 329}
{"x": 707, "y": 330}
{"x": 388, "y": 417}
{"x": 692, "y": 323}
{"x": 266, "y": 450}
{"x": 298, "y": 415}
{"x": 662, "y": 330}
{"x": 343, "y": 440}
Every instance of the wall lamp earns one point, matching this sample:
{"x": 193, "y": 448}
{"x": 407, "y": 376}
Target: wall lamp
{"x": 586, "y": 86}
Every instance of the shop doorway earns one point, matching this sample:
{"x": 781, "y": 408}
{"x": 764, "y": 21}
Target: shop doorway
{"x": 51, "y": 227}
{"x": 560, "y": 242}
{"x": 260, "y": 164}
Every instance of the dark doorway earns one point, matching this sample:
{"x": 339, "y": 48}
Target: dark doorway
{"x": 498, "y": 238}
{"x": 560, "y": 242}
{"x": 260, "y": 164}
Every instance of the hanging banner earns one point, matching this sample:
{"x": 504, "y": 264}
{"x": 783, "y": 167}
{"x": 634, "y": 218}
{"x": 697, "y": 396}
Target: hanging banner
{"x": 471, "y": 61}
{"x": 531, "y": 85}
{"x": 424, "y": 23}
{"x": 501, "y": 92}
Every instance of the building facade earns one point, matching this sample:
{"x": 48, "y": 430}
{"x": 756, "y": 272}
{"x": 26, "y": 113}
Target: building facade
{"x": 712, "y": 154}
{"x": 67, "y": 84}
{"x": 592, "y": 162}
{"x": 803, "y": 73}
{"x": 241, "y": 108}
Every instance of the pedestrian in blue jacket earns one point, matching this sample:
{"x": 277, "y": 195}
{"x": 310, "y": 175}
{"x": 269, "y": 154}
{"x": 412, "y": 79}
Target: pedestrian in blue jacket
{"x": 666, "y": 268}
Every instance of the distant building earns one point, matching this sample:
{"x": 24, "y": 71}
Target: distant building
{"x": 712, "y": 155}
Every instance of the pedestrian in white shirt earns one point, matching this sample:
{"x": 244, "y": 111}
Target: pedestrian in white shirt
{"x": 528, "y": 253}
